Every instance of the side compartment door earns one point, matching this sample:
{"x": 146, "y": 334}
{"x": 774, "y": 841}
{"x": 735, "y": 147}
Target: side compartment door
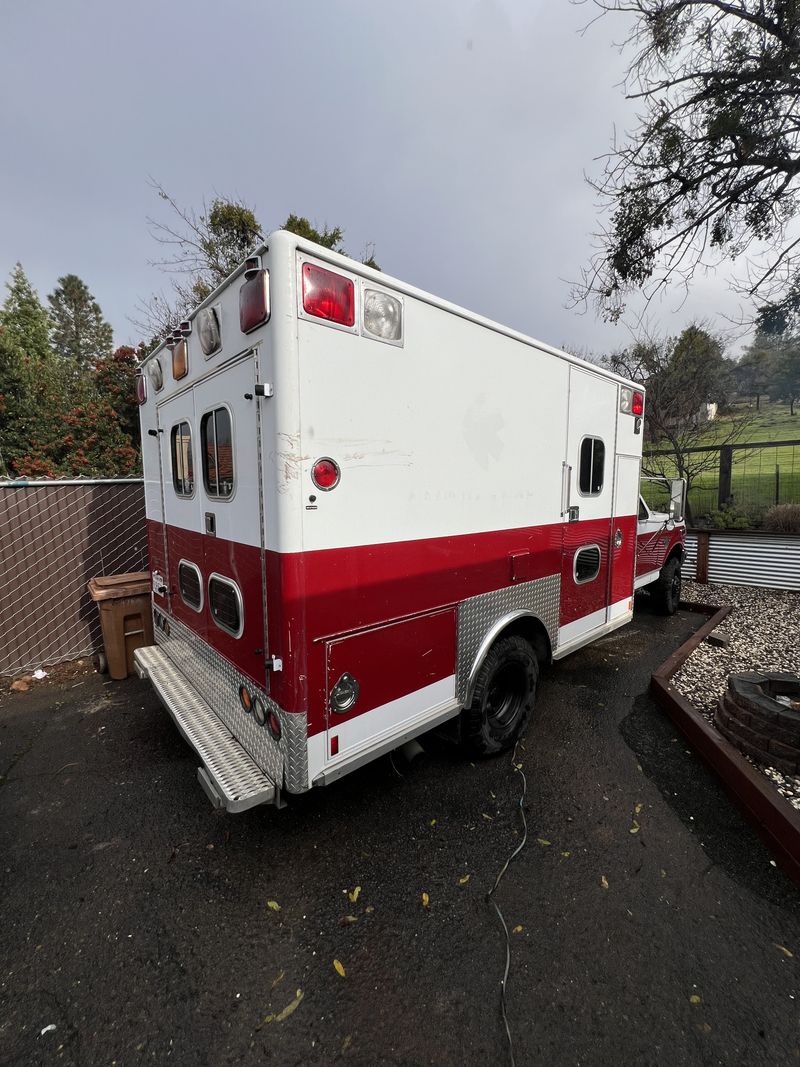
{"x": 230, "y": 506}
{"x": 586, "y": 526}
{"x": 623, "y": 551}
{"x": 184, "y": 543}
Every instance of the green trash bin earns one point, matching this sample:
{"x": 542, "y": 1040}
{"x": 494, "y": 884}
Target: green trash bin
{"x": 126, "y": 617}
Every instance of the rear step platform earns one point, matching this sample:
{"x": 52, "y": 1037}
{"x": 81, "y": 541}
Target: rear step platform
{"x": 228, "y": 775}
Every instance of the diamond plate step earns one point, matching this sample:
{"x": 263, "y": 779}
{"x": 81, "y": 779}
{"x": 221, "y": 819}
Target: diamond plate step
{"x": 229, "y": 776}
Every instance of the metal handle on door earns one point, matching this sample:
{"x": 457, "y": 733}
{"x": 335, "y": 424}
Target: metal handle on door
{"x": 211, "y": 524}
{"x": 618, "y": 539}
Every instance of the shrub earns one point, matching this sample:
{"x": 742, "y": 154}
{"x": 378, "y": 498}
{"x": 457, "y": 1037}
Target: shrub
{"x": 730, "y": 517}
{"x": 783, "y": 518}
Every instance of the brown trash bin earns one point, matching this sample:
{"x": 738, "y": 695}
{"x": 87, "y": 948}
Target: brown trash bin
{"x": 125, "y": 616}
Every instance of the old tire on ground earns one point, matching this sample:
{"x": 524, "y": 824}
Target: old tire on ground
{"x": 667, "y": 589}
{"x": 505, "y": 692}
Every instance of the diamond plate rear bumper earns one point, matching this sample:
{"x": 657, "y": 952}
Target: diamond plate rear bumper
{"x": 228, "y": 775}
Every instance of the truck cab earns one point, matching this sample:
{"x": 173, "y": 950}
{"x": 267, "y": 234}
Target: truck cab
{"x": 661, "y": 547}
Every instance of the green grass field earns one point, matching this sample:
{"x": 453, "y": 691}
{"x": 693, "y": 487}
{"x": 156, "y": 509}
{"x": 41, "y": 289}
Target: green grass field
{"x": 760, "y": 477}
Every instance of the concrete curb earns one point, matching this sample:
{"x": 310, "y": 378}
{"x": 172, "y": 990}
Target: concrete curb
{"x": 775, "y": 819}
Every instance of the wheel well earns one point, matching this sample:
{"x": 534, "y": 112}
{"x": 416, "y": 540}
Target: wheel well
{"x": 532, "y": 629}
{"x": 676, "y": 553}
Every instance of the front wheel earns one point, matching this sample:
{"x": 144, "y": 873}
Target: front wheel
{"x": 505, "y": 693}
{"x": 667, "y": 590}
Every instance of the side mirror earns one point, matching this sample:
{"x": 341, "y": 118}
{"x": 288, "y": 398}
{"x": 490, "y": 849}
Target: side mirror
{"x": 677, "y": 499}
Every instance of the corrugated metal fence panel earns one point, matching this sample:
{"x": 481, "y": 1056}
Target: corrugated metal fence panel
{"x": 770, "y": 561}
{"x": 53, "y": 539}
{"x": 689, "y": 568}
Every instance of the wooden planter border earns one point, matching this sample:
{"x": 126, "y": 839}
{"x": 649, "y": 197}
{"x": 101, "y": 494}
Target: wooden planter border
{"x": 775, "y": 819}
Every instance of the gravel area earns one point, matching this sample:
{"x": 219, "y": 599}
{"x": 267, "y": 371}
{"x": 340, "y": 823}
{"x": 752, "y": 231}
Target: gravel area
{"x": 764, "y": 632}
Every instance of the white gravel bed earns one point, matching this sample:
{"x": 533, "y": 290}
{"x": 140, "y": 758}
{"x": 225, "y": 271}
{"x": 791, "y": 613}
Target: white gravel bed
{"x": 764, "y": 632}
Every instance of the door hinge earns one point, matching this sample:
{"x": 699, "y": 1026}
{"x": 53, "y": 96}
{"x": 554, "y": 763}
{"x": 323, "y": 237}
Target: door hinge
{"x": 274, "y": 663}
{"x": 264, "y": 389}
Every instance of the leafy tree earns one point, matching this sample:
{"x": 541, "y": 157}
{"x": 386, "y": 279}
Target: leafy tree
{"x": 711, "y": 169}
{"x": 78, "y": 332}
{"x": 681, "y": 376}
{"x": 754, "y": 372}
{"x": 205, "y": 247}
{"x": 786, "y": 373}
{"x": 115, "y": 382}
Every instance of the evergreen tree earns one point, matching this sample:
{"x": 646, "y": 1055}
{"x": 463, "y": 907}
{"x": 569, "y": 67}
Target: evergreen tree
{"x": 79, "y": 333}
{"x": 24, "y": 357}
{"x": 24, "y": 319}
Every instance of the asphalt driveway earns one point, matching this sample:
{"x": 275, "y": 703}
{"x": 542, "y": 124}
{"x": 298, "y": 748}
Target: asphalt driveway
{"x": 138, "y": 926}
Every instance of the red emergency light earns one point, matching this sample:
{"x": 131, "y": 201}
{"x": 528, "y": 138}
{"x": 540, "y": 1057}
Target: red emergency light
{"x": 328, "y": 296}
{"x": 637, "y": 404}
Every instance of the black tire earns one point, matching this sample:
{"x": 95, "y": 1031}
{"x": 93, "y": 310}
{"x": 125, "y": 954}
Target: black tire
{"x": 667, "y": 589}
{"x": 505, "y": 693}
{"x": 100, "y": 663}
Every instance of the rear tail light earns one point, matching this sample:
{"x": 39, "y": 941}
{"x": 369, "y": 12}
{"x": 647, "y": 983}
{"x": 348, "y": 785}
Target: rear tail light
{"x": 254, "y": 301}
{"x": 631, "y": 401}
{"x": 141, "y": 388}
{"x": 325, "y": 474}
{"x": 180, "y": 360}
{"x": 328, "y": 296}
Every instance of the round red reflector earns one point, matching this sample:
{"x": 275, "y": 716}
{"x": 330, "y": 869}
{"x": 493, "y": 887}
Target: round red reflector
{"x": 274, "y": 724}
{"x": 325, "y": 474}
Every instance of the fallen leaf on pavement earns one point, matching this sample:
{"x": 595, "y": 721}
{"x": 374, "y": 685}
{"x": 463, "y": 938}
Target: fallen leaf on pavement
{"x": 566, "y": 855}
{"x": 287, "y": 1011}
{"x": 339, "y": 968}
{"x": 369, "y": 909}
{"x": 273, "y": 905}
{"x": 425, "y": 900}
{"x": 278, "y": 980}
{"x": 637, "y": 809}
{"x": 354, "y": 894}
{"x": 635, "y": 828}
{"x": 20, "y": 686}
{"x": 517, "y": 930}
{"x": 348, "y": 920}
{"x": 784, "y": 950}
{"x": 487, "y": 817}
{"x": 543, "y": 842}
{"x": 433, "y": 822}
{"x": 695, "y": 999}
{"x": 463, "y": 880}
{"x": 603, "y": 881}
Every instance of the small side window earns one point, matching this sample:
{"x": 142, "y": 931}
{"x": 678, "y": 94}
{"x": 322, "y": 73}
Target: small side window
{"x": 216, "y": 438}
{"x": 225, "y": 602}
{"x": 182, "y": 463}
{"x": 191, "y": 585}
{"x": 591, "y": 466}
{"x": 587, "y": 564}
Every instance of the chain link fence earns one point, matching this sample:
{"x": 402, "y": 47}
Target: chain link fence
{"x": 54, "y": 537}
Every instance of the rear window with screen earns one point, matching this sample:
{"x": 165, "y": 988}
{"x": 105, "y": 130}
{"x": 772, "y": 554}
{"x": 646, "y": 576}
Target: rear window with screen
{"x": 587, "y": 564}
{"x": 225, "y": 602}
{"x": 182, "y": 464}
{"x": 216, "y": 436}
{"x": 190, "y": 585}
{"x": 591, "y": 466}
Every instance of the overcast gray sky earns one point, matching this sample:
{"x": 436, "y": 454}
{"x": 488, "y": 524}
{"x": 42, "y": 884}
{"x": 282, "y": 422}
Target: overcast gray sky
{"x": 453, "y": 134}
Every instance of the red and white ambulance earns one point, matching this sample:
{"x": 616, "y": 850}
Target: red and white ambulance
{"x": 370, "y": 512}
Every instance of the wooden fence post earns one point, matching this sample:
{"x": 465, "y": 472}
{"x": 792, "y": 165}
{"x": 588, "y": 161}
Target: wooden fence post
{"x": 701, "y": 567}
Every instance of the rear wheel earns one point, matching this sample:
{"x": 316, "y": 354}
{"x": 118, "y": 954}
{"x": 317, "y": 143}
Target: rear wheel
{"x": 505, "y": 693}
{"x": 667, "y": 590}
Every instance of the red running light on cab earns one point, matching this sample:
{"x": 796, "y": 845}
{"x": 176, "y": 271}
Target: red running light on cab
{"x": 637, "y": 404}
{"x": 141, "y": 388}
{"x": 328, "y": 296}
{"x": 325, "y": 474}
